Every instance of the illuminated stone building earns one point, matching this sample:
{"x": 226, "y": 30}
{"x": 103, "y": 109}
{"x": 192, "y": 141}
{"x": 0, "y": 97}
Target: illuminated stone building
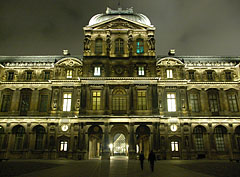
{"x": 119, "y": 98}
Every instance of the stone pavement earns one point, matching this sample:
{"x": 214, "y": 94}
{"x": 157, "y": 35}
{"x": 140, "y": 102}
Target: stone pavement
{"x": 119, "y": 167}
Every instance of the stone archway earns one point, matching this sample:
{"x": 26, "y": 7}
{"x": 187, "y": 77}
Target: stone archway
{"x": 95, "y": 141}
{"x": 143, "y": 140}
{"x": 119, "y": 141}
{"x": 175, "y": 147}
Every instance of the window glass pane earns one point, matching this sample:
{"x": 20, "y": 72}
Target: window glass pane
{"x": 140, "y": 46}
{"x": 232, "y": 101}
{"x": 10, "y": 76}
{"x": 213, "y": 102}
{"x": 98, "y": 46}
{"x": 97, "y": 71}
{"x": 169, "y": 73}
{"x": 43, "y": 103}
{"x": 67, "y": 99}
{"x": 6, "y": 103}
{"x": 119, "y": 49}
{"x": 141, "y": 70}
{"x": 171, "y": 101}
{"x": 194, "y": 102}
{"x": 141, "y": 100}
{"x": 96, "y": 100}
{"x": 69, "y": 73}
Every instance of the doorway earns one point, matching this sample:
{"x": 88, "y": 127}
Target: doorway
{"x": 119, "y": 145}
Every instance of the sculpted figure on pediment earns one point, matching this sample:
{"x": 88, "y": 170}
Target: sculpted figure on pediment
{"x": 151, "y": 42}
{"x": 70, "y": 63}
{"x": 109, "y": 43}
{"x": 87, "y": 42}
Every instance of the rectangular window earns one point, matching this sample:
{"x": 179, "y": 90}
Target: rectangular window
{"x": 6, "y": 103}
{"x": 174, "y": 146}
{"x": 141, "y": 70}
{"x": 67, "y": 100}
{"x": 219, "y": 142}
{"x": 213, "y": 102}
{"x": 96, "y": 100}
{"x": 210, "y": 75}
{"x": 97, "y": 71}
{"x": 29, "y": 75}
{"x": 69, "y": 74}
{"x": 63, "y": 146}
{"x": 199, "y": 142}
{"x": 191, "y": 75}
{"x": 171, "y": 102}
{"x": 10, "y": 76}
{"x": 232, "y": 101}
{"x": 43, "y": 103}
{"x": 169, "y": 73}
{"x": 46, "y": 75}
{"x": 194, "y": 102}
{"x": 228, "y": 76}
{"x": 141, "y": 100}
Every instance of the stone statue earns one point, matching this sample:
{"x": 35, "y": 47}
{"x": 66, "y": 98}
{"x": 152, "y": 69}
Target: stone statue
{"x": 130, "y": 43}
{"x": 151, "y": 42}
{"x": 108, "y": 41}
{"x": 87, "y": 42}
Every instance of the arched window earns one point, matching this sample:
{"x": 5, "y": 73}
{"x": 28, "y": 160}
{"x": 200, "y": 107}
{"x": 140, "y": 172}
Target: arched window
{"x": 119, "y": 100}
{"x": 1, "y": 136}
{"x": 98, "y": 46}
{"x": 119, "y": 48}
{"x": 140, "y": 46}
{"x": 198, "y": 135}
{"x": 39, "y": 132}
{"x": 19, "y": 133}
{"x": 237, "y": 136}
{"x": 219, "y": 132}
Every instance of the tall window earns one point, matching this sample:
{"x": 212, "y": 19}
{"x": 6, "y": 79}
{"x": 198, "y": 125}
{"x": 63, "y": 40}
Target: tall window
{"x": 10, "y": 76}
{"x": 6, "y": 103}
{"x": 1, "y": 137}
{"x": 219, "y": 132}
{"x": 98, "y": 46}
{"x": 140, "y": 46}
{"x": 39, "y": 134}
{"x": 67, "y": 100}
{"x": 169, "y": 73}
{"x": 174, "y": 146}
{"x": 228, "y": 75}
{"x": 191, "y": 75}
{"x": 96, "y": 100}
{"x": 25, "y": 101}
{"x": 97, "y": 71}
{"x": 171, "y": 102}
{"x": 29, "y": 75}
{"x": 119, "y": 46}
{"x": 141, "y": 71}
{"x": 198, "y": 135}
{"x": 232, "y": 101}
{"x": 210, "y": 75}
{"x": 69, "y": 74}
{"x": 19, "y": 133}
{"x": 194, "y": 102}
{"x": 43, "y": 103}
{"x": 213, "y": 102}
{"x": 46, "y": 75}
{"x": 63, "y": 146}
{"x": 119, "y": 100}
{"x": 141, "y": 100}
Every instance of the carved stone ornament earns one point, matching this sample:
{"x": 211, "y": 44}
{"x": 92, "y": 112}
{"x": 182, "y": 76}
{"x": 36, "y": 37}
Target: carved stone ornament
{"x": 70, "y": 63}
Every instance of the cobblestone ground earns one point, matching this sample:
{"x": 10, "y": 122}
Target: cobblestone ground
{"x": 118, "y": 167}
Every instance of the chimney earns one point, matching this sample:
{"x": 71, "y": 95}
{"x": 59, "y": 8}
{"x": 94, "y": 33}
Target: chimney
{"x": 66, "y": 52}
{"x": 171, "y": 52}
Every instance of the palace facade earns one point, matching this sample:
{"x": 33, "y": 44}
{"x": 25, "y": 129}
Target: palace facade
{"x": 119, "y": 98}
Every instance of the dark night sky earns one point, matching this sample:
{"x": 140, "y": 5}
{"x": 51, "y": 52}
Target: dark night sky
{"x": 192, "y": 27}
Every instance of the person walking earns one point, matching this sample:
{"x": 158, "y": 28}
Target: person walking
{"x": 151, "y": 159}
{"x": 141, "y": 158}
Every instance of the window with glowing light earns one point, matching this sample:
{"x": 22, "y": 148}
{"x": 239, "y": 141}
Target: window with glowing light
{"x": 174, "y": 146}
{"x": 67, "y": 100}
{"x": 141, "y": 71}
{"x": 141, "y": 100}
{"x": 97, "y": 71}
{"x": 69, "y": 74}
{"x": 140, "y": 46}
{"x": 171, "y": 102}
{"x": 169, "y": 73}
{"x": 119, "y": 100}
{"x": 96, "y": 100}
{"x": 63, "y": 146}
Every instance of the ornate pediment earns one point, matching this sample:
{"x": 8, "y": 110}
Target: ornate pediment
{"x": 69, "y": 62}
{"x": 169, "y": 62}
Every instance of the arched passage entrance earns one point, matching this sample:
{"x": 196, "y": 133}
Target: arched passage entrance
{"x": 119, "y": 141}
{"x": 95, "y": 139}
{"x": 143, "y": 142}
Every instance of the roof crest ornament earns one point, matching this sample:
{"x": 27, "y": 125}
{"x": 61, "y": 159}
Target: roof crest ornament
{"x": 119, "y": 11}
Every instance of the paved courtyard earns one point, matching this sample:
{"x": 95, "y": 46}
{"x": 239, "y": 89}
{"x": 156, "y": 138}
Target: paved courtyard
{"x": 118, "y": 167}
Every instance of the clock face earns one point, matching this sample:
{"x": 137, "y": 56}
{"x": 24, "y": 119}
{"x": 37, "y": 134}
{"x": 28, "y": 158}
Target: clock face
{"x": 173, "y": 127}
{"x": 64, "y": 128}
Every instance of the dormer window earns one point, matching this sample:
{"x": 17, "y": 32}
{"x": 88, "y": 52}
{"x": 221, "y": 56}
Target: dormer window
{"x": 119, "y": 48}
{"x": 191, "y": 75}
{"x": 210, "y": 75}
{"x": 29, "y": 75}
{"x": 46, "y": 75}
{"x": 10, "y": 76}
{"x": 140, "y": 46}
{"x": 97, "y": 71}
{"x": 69, "y": 74}
{"x": 169, "y": 73}
{"x": 228, "y": 75}
{"x": 141, "y": 71}
{"x": 98, "y": 46}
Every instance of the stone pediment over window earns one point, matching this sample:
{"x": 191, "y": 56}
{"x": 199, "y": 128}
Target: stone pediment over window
{"x": 69, "y": 62}
{"x": 119, "y": 23}
{"x": 169, "y": 62}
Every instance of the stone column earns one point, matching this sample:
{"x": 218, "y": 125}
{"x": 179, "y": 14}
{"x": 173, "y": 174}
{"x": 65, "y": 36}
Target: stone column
{"x": 106, "y": 152}
{"x": 211, "y": 142}
{"x": 229, "y": 141}
{"x": 204, "y": 102}
{"x": 223, "y": 102}
{"x": 15, "y": 102}
{"x": 131, "y": 149}
{"x": 34, "y": 101}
